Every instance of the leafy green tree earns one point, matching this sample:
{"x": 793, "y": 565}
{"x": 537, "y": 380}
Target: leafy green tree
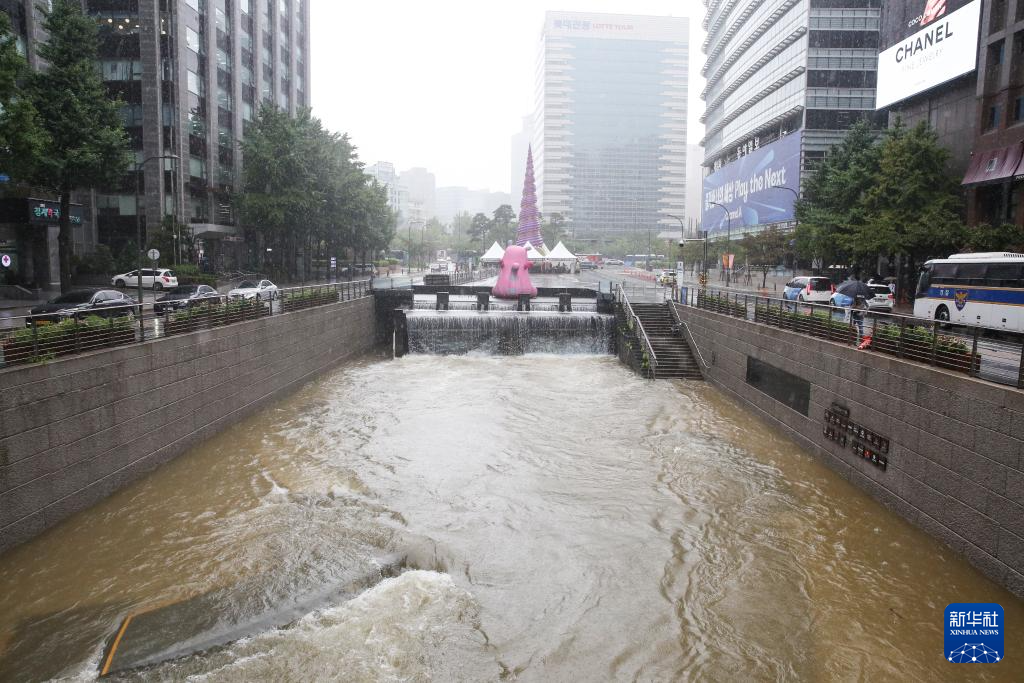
{"x": 765, "y": 249}
{"x": 503, "y": 225}
{"x": 461, "y": 225}
{"x": 833, "y": 208}
{"x": 553, "y": 229}
{"x": 479, "y": 227}
{"x": 985, "y": 237}
{"x": 913, "y": 206}
{"x": 85, "y": 143}
{"x": 22, "y": 138}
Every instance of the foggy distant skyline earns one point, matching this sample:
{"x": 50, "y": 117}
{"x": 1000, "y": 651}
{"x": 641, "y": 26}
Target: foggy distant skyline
{"x": 444, "y": 86}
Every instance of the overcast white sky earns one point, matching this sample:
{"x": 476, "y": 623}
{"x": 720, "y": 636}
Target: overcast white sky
{"x": 445, "y": 84}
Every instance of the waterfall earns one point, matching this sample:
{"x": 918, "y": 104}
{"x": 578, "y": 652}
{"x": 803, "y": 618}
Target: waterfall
{"x": 508, "y": 333}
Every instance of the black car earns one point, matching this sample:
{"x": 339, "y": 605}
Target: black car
{"x": 81, "y": 303}
{"x": 186, "y": 296}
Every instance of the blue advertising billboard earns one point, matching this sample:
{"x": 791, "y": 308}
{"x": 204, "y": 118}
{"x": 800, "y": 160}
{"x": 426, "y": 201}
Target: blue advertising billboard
{"x": 754, "y": 188}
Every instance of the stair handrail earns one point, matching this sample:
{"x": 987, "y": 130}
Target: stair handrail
{"x": 692, "y": 342}
{"x": 652, "y": 359}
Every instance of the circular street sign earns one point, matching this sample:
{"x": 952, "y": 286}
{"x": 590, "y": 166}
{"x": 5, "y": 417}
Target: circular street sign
{"x": 154, "y": 254}
{"x": 5, "y": 260}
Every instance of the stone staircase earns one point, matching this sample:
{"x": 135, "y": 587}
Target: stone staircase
{"x": 675, "y": 360}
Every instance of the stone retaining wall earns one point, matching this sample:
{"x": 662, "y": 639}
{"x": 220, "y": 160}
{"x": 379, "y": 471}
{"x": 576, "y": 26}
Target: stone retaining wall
{"x": 956, "y": 453}
{"x": 75, "y": 430}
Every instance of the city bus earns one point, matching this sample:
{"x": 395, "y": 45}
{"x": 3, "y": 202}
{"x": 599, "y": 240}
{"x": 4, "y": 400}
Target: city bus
{"x": 980, "y": 289}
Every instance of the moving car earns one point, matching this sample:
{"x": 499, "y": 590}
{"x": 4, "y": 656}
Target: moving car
{"x": 668, "y": 278}
{"x": 264, "y": 290}
{"x": 155, "y": 278}
{"x": 613, "y": 262}
{"x": 817, "y": 290}
{"x": 81, "y": 303}
{"x": 186, "y": 296}
{"x": 588, "y": 265}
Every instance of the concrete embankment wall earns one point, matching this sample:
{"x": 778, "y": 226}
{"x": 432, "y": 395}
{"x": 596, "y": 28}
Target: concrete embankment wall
{"x": 956, "y": 445}
{"x": 75, "y": 430}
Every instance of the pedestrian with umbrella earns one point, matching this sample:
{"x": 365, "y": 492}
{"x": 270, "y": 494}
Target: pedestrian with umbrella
{"x": 850, "y": 295}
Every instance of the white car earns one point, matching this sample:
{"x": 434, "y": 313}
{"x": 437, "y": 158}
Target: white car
{"x": 818, "y": 290}
{"x": 152, "y": 278}
{"x": 883, "y": 300}
{"x": 264, "y": 290}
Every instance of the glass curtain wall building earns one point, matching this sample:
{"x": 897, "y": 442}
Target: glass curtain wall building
{"x": 610, "y": 136}
{"x": 779, "y": 67}
{"x": 192, "y": 73}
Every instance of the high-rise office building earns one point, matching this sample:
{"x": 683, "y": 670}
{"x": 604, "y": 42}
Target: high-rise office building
{"x": 417, "y": 195}
{"x": 785, "y": 80}
{"x": 192, "y": 74}
{"x": 609, "y": 137}
{"x": 384, "y": 173}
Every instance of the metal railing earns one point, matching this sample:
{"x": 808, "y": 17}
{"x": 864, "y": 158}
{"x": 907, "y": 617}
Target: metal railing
{"x": 634, "y": 321}
{"x": 460, "y": 278}
{"x": 45, "y": 336}
{"x": 986, "y": 353}
{"x": 693, "y": 344}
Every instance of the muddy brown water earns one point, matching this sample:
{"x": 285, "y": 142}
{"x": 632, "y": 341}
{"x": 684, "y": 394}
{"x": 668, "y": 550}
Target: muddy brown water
{"x": 561, "y": 520}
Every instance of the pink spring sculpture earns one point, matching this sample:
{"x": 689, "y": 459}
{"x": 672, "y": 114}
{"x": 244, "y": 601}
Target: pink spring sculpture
{"x": 514, "y": 278}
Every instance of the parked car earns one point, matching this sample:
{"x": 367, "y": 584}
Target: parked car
{"x": 186, "y": 296}
{"x": 809, "y": 289}
{"x": 882, "y": 301}
{"x": 80, "y": 303}
{"x": 154, "y": 278}
{"x": 613, "y": 262}
{"x": 587, "y": 264}
{"x": 264, "y": 290}
{"x": 668, "y": 278}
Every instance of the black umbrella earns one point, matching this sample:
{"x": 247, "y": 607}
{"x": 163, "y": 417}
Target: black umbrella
{"x": 855, "y": 289}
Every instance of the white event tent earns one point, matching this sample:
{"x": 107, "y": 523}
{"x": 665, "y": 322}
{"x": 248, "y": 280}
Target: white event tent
{"x": 560, "y": 254}
{"x": 493, "y": 255}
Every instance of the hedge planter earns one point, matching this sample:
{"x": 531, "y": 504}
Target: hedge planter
{"x": 721, "y": 304}
{"x": 205, "y": 317}
{"x": 46, "y": 342}
{"x": 301, "y": 300}
{"x": 919, "y": 344}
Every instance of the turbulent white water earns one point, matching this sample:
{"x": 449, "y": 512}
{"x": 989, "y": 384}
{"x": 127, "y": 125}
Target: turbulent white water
{"x": 561, "y": 520}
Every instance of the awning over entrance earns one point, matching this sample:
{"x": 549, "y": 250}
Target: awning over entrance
{"x": 994, "y": 165}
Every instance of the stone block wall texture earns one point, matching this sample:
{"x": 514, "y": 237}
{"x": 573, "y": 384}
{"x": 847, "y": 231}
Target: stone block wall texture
{"x": 75, "y": 430}
{"x": 956, "y": 458}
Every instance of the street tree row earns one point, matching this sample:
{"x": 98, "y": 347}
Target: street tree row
{"x": 305, "y": 195}
{"x": 891, "y": 195}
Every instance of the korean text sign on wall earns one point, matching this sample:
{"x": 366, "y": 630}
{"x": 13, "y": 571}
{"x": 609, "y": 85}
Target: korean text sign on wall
{"x": 757, "y": 189}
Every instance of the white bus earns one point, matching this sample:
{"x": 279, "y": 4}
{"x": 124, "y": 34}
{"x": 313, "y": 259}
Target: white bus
{"x": 978, "y": 289}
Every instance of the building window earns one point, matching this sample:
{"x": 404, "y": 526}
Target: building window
{"x": 197, "y": 168}
{"x": 195, "y": 83}
{"x": 121, "y": 70}
{"x": 997, "y": 16}
{"x": 992, "y": 117}
{"x": 245, "y": 6}
{"x": 197, "y": 5}
{"x": 1018, "y": 108}
{"x": 995, "y": 53}
{"x": 192, "y": 40}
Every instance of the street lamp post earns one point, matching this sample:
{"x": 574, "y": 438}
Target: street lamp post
{"x": 139, "y": 165}
{"x": 408, "y": 244}
{"x": 728, "y": 237}
{"x": 682, "y": 235}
